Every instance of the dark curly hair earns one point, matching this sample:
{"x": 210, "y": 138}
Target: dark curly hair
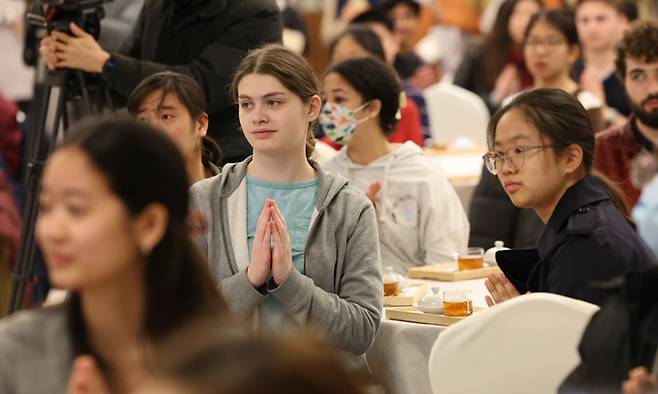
{"x": 639, "y": 42}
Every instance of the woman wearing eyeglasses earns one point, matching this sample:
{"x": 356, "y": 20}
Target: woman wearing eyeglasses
{"x": 550, "y": 48}
{"x": 541, "y": 149}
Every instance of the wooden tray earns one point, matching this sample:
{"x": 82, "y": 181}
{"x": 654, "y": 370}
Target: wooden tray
{"x": 409, "y": 295}
{"x": 448, "y": 272}
{"x": 411, "y": 314}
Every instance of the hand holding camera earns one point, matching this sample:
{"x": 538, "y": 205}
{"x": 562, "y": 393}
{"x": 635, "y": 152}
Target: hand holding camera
{"x": 78, "y": 51}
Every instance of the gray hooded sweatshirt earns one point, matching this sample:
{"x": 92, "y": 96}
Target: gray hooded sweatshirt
{"x": 341, "y": 293}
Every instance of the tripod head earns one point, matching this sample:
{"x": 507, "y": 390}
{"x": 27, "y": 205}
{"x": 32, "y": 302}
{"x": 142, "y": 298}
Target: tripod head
{"x": 56, "y": 15}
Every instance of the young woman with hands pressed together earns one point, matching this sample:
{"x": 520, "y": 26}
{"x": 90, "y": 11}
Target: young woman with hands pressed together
{"x": 287, "y": 242}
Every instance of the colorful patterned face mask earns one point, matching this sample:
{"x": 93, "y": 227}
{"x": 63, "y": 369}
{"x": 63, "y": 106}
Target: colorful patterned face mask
{"x": 339, "y": 122}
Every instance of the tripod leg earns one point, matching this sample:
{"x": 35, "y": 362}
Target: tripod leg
{"x": 23, "y": 272}
{"x": 60, "y": 112}
{"x": 85, "y": 92}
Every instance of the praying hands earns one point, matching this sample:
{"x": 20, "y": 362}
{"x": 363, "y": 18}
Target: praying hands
{"x": 272, "y": 252}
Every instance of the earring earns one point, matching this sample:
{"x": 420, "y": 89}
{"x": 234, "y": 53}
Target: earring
{"x": 145, "y": 249}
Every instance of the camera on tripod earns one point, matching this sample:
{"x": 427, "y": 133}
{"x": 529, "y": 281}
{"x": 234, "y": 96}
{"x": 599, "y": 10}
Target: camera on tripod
{"x": 76, "y": 94}
{"x": 57, "y": 15}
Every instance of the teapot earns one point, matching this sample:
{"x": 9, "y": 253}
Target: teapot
{"x": 431, "y": 303}
{"x": 490, "y": 254}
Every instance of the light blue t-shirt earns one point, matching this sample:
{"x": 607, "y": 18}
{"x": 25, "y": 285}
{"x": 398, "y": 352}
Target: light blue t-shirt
{"x": 645, "y": 215}
{"x": 296, "y": 202}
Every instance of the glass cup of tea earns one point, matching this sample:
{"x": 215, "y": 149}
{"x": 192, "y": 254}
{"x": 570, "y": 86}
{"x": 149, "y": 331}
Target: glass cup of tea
{"x": 391, "y": 282}
{"x": 457, "y": 303}
{"x": 471, "y": 259}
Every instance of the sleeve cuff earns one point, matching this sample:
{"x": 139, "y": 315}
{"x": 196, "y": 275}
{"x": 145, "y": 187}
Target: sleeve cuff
{"x": 294, "y": 292}
{"x": 240, "y": 294}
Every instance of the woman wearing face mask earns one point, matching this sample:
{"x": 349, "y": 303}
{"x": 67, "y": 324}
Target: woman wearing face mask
{"x": 175, "y": 104}
{"x": 287, "y": 242}
{"x": 421, "y": 220}
{"x": 361, "y": 41}
{"x": 112, "y": 228}
{"x": 541, "y": 149}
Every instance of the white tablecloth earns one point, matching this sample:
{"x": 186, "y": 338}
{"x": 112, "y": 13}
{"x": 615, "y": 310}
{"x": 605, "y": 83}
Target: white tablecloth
{"x": 399, "y": 357}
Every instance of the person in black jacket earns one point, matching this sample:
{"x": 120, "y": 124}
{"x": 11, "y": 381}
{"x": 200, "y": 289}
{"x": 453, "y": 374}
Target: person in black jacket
{"x": 542, "y": 149}
{"x": 618, "y": 346}
{"x": 205, "y": 39}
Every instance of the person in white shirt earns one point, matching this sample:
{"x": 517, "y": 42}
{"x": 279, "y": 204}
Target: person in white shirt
{"x": 420, "y": 218}
{"x": 15, "y": 77}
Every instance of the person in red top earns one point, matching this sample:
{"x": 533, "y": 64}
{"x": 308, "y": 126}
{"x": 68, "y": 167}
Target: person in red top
{"x": 619, "y": 149}
{"x": 408, "y": 128}
{"x": 10, "y": 135}
{"x": 10, "y": 230}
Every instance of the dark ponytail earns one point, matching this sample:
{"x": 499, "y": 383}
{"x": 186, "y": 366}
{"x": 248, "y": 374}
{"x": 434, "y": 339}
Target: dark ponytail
{"x": 210, "y": 152}
{"x": 615, "y": 194}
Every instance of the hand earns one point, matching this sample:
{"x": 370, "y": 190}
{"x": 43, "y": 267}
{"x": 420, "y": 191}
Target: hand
{"x": 640, "y": 381}
{"x": 261, "y": 251}
{"x": 47, "y": 49}
{"x": 508, "y": 83}
{"x": 282, "y": 253}
{"x": 372, "y": 191}
{"x": 79, "y": 51}
{"x": 353, "y": 8}
{"x": 592, "y": 83}
{"x": 500, "y": 288}
{"x": 86, "y": 378}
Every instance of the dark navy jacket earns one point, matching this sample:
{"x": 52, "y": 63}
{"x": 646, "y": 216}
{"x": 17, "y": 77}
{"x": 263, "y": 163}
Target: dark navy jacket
{"x": 586, "y": 242}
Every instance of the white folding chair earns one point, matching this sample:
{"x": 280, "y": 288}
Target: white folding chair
{"x": 456, "y": 112}
{"x": 525, "y": 345}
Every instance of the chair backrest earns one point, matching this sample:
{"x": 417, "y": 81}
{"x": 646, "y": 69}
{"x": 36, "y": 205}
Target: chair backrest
{"x": 456, "y": 112}
{"x": 525, "y": 345}
{"x": 323, "y": 152}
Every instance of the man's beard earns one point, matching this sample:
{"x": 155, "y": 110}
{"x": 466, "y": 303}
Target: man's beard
{"x": 649, "y": 118}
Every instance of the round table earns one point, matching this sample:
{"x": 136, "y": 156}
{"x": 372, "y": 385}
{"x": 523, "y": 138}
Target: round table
{"x": 400, "y": 354}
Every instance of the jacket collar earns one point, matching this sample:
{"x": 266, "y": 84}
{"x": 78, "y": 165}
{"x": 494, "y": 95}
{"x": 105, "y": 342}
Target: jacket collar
{"x": 584, "y": 192}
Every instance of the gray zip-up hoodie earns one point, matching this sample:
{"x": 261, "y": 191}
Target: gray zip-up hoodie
{"x": 341, "y": 293}
{"x": 36, "y": 353}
